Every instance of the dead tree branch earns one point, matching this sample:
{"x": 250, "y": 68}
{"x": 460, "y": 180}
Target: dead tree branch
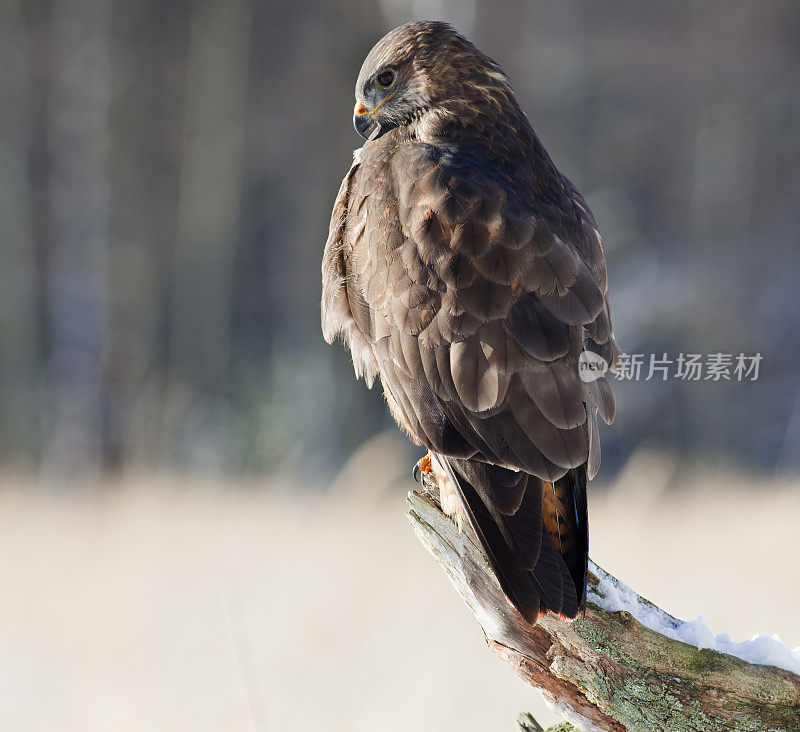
{"x": 605, "y": 670}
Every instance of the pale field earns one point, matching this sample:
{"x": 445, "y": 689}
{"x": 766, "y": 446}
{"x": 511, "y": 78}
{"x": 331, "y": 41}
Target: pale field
{"x": 166, "y": 604}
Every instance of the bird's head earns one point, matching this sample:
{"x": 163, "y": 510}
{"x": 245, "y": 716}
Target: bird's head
{"x": 422, "y": 68}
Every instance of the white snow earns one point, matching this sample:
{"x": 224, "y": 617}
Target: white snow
{"x": 611, "y": 594}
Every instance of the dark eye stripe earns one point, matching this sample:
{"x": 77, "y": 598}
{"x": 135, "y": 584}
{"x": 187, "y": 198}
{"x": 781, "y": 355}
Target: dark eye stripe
{"x": 385, "y": 78}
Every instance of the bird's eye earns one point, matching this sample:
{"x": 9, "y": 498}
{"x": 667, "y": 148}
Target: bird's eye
{"x": 385, "y": 78}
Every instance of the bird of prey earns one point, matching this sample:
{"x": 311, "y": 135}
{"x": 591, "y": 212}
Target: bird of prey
{"x": 464, "y": 271}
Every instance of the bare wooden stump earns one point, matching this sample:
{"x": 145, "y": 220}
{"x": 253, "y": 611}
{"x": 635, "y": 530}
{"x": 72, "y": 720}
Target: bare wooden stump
{"x": 605, "y": 670}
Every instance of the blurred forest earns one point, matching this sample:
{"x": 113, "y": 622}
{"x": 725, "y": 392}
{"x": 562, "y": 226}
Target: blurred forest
{"x": 167, "y": 171}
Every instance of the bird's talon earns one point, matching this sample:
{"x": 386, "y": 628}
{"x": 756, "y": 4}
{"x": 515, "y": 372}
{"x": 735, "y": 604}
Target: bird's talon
{"x": 421, "y": 469}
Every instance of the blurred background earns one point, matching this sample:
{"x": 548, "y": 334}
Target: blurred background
{"x": 201, "y": 509}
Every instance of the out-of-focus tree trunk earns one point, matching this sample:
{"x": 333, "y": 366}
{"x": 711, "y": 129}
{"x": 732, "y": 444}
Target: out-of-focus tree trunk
{"x": 149, "y": 42}
{"x": 210, "y": 183}
{"x": 79, "y": 209}
{"x": 23, "y": 91}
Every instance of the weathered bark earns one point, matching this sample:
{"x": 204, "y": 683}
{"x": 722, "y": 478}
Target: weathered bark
{"x": 605, "y": 670}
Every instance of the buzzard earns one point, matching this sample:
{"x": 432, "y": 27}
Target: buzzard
{"x": 464, "y": 271}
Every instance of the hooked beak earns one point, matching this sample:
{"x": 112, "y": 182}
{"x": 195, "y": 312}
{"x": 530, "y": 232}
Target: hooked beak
{"x": 363, "y": 121}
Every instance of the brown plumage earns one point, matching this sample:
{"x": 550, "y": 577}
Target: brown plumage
{"x": 468, "y": 274}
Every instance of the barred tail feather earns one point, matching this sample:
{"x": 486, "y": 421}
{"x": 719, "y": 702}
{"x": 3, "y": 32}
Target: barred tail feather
{"x": 535, "y": 533}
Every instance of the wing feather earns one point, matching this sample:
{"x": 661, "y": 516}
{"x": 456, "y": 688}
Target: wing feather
{"x": 473, "y": 301}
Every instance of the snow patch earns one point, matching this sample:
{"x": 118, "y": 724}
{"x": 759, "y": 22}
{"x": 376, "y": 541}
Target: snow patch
{"x": 613, "y": 595}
